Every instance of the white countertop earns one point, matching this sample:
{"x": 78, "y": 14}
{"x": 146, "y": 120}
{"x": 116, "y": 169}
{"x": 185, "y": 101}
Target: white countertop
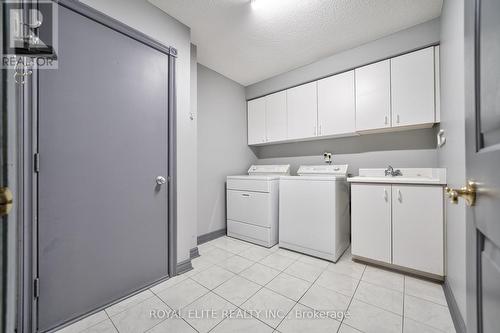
{"x": 425, "y": 176}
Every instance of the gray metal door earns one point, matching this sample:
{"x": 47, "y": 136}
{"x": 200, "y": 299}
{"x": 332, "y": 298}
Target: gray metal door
{"x": 483, "y": 164}
{"x": 103, "y": 139}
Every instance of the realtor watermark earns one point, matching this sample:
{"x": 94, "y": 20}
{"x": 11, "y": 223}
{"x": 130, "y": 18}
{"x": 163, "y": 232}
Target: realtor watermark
{"x": 269, "y": 314}
{"x": 30, "y": 35}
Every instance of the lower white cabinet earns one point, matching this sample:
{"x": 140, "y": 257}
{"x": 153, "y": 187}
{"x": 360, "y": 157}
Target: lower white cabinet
{"x": 401, "y": 225}
{"x": 371, "y": 221}
{"x": 417, "y": 227}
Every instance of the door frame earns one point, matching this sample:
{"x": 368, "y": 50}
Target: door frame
{"x": 474, "y": 240}
{"x": 28, "y": 254}
{"x": 471, "y": 63}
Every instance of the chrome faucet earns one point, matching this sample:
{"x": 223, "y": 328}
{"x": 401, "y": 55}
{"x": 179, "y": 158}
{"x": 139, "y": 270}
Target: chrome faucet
{"x": 391, "y": 172}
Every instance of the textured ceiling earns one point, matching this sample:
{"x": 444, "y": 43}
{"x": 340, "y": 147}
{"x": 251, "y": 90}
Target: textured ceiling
{"x": 251, "y": 42}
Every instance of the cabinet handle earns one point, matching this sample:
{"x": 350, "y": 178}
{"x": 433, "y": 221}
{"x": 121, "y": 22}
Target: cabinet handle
{"x": 315, "y": 132}
{"x": 385, "y": 195}
{"x": 319, "y": 129}
{"x": 386, "y": 120}
{"x": 245, "y": 195}
{"x": 397, "y": 119}
{"x": 400, "y": 196}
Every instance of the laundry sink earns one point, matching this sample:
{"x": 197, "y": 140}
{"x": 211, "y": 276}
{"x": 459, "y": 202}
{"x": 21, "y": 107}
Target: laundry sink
{"x": 434, "y": 176}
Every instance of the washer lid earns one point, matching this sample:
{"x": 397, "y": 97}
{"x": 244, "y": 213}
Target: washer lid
{"x": 265, "y": 170}
{"x": 323, "y": 170}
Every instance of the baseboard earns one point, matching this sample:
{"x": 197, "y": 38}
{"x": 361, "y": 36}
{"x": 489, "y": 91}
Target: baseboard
{"x": 458, "y": 320}
{"x": 193, "y": 253}
{"x": 184, "y": 266}
{"x": 211, "y": 236}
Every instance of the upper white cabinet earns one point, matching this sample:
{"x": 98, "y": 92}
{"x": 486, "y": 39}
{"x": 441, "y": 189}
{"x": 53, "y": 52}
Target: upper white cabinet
{"x": 437, "y": 84}
{"x": 336, "y": 105}
{"x": 373, "y": 96}
{"x": 412, "y": 88}
{"x": 393, "y": 94}
{"x": 256, "y": 121}
{"x": 276, "y": 117}
{"x": 302, "y": 104}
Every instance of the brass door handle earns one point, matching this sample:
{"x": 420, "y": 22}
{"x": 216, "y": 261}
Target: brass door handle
{"x": 467, "y": 192}
{"x": 6, "y": 201}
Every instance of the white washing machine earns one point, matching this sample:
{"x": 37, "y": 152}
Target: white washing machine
{"x": 314, "y": 215}
{"x": 252, "y": 204}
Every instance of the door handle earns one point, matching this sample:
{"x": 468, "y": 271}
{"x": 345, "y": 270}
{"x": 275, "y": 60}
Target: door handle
{"x": 6, "y": 201}
{"x": 160, "y": 180}
{"x": 467, "y": 192}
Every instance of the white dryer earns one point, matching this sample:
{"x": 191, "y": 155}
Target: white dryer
{"x": 252, "y": 204}
{"x": 314, "y": 215}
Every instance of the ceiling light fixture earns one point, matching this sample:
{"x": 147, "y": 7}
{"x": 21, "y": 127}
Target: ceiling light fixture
{"x": 256, "y": 4}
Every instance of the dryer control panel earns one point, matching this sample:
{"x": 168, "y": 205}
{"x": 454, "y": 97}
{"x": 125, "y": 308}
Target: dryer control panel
{"x": 323, "y": 170}
{"x": 269, "y": 170}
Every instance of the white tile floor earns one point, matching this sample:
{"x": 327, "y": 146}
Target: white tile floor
{"x": 245, "y": 280}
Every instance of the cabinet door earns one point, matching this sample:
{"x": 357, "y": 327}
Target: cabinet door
{"x": 256, "y": 121}
{"x": 417, "y": 224}
{"x": 276, "y": 118}
{"x": 371, "y": 221}
{"x": 412, "y": 88}
{"x": 373, "y": 96}
{"x": 336, "y": 104}
{"x": 302, "y": 105}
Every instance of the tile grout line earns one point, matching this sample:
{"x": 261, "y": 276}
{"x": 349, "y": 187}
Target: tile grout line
{"x": 235, "y": 274}
{"x": 275, "y": 329}
{"x": 282, "y": 272}
{"x": 168, "y": 306}
{"x": 157, "y": 296}
{"x": 111, "y": 320}
{"x": 209, "y": 290}
{"x": 404, "y": 296}
{"x": 426, "y": 300}
{"x": 264, "y": 286}
{"x": 352, "y": 298}
{"x": 378, "y": 306}
{"x": 218, "y": 264}
{"x": 298, "y": 302}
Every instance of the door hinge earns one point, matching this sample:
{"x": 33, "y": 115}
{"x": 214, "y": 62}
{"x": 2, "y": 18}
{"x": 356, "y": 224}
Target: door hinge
{"x": 36, "y": 162}
{"x": 36, "y": 288}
